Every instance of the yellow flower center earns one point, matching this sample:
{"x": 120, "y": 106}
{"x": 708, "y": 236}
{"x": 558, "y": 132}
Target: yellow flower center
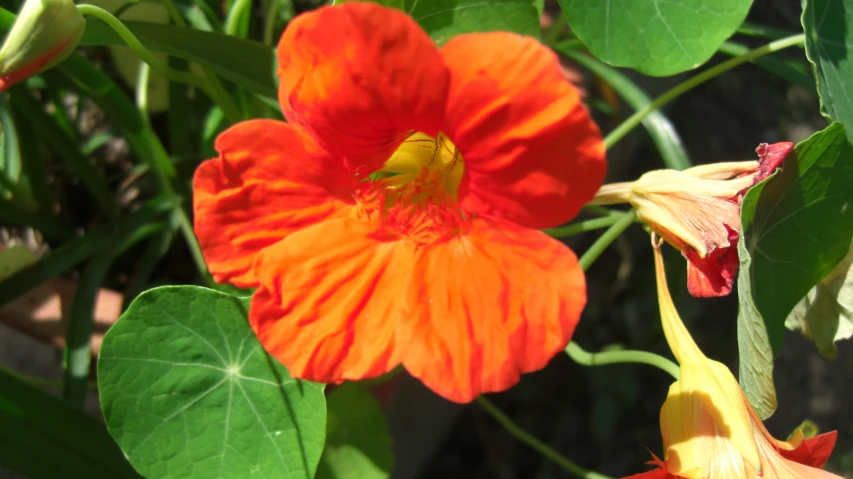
{"x": 422, "y": 155}
{"x": 414, "y": 193}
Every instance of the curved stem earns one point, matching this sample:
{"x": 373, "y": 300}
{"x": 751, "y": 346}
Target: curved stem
{"x": 174, "y": 13}
{"x": 540, "y": 446}
{"x": 583, "y": 226}
{"x": 586, "y": 358}
{"x": 235, "y": 15}
{"x": 694, "y": 81}
{"x": 608, "y": 237}
{"x": 202, "y": 83}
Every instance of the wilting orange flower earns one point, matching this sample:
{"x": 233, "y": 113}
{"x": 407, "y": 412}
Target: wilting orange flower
{"x": 394, "y": 219}
{"x": 698, "y": 211}
{"x": 709, "y": 429}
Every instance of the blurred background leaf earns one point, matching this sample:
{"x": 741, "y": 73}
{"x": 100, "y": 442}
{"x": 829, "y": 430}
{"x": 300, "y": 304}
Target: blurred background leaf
{"x": 358, "y": 445}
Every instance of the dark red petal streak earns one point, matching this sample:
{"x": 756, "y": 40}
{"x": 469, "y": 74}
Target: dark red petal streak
{"x": 269, "y": 181}
{"x": 328, "y": 303}
{"x": 360, "y": 77}
{"x": 532, "y": 153}
{"x": 814, "y": 451}
{"x": 485, "y": 307}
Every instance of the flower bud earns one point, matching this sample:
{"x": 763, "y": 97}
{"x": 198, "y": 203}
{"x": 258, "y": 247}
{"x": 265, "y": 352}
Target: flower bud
{"x": 44, "y": 34}
{"x": 698, "y": 211}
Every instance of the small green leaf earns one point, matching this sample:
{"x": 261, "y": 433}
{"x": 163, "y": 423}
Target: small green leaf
{"x": 796, "y": 227}
{"x": 443, "y": 19}
{"x": 358, "y": 445}
{"x": 656, "y": 37}
{"x": 825, "y": 315}
{"x": 188, "y": 392}
{"x": 829, "y": 46}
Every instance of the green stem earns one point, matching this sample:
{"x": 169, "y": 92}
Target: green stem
{"x": 142, "y": 77}
{"x": 269, "y": 21}
{"x": 224, "y": 101}
{"x": 186, "y": 227}
{"x": 635, "y": 119}
{"x": 583, "y": 226}
{"x": 536, "y": 444}
{"x": 81, "y": 320}
{"x": 235, "y": 15}
{"x": 174, "y": 13}
{"x": 608, "y": 237}
{"x": 586, "y": 358}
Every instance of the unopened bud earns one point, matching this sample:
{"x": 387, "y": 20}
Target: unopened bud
{"x": 44, "y": 34}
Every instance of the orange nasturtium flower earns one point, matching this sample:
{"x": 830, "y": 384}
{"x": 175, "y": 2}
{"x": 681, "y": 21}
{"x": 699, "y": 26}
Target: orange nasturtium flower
{"x": 698, "y": 211}
{"x": 394, "y": 219}
{"x": 709, "y": 429}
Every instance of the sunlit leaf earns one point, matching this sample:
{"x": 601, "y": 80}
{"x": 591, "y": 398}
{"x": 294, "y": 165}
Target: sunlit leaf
{"x": 796, "y": 227}
{"x": 443, "y": 19}
{"x": 829, "y": 46}
{"x": 188, "y": 392}
{"x": 656, "y": 37}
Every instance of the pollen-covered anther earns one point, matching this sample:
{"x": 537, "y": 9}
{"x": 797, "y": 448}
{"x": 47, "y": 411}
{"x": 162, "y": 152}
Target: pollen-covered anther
{"x": 414, "y": 194}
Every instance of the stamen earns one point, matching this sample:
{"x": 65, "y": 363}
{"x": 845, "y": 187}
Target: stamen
{"x": 414, "y": 195}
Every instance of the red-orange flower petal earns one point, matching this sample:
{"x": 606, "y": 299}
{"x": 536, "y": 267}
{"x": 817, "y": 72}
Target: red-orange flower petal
{"x": 814, "y": 451}
{"x": 659, "y": 473}
{"x": 715, "y": 275}
{"x": 487, "y": 306}
{"x": 360, "y": 77}
{"x": 269, "y": 181}
{"x": 532, "y": 153}
{"x": 329, "y": 301}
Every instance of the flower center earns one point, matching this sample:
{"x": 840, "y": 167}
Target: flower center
{"x": 420, "y": 154}
{"x": 414, "y": 193}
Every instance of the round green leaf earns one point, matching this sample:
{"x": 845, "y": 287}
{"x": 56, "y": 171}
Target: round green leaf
{"x": 188, "y": 392}
{"x": 829, "y": 46}
{"x": 796, "y": 228}
{"x": 443, "y": 19}
{"x": 656, "y": 37}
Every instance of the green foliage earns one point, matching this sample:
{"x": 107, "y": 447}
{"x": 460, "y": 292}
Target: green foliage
{"x": 825, "y": 315}
{"x": 829, "y": 46}
{"x": 443, "y": 19}
{"x": 358, "y": 445}
{"x": 187, "y": 391}
{"x": 43, "y": 438}
{"x": 660, "y": 129}
{"x": 656, "y": 37}
{"x": 796, "y": 227}
{"x": 247, "y": 63}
